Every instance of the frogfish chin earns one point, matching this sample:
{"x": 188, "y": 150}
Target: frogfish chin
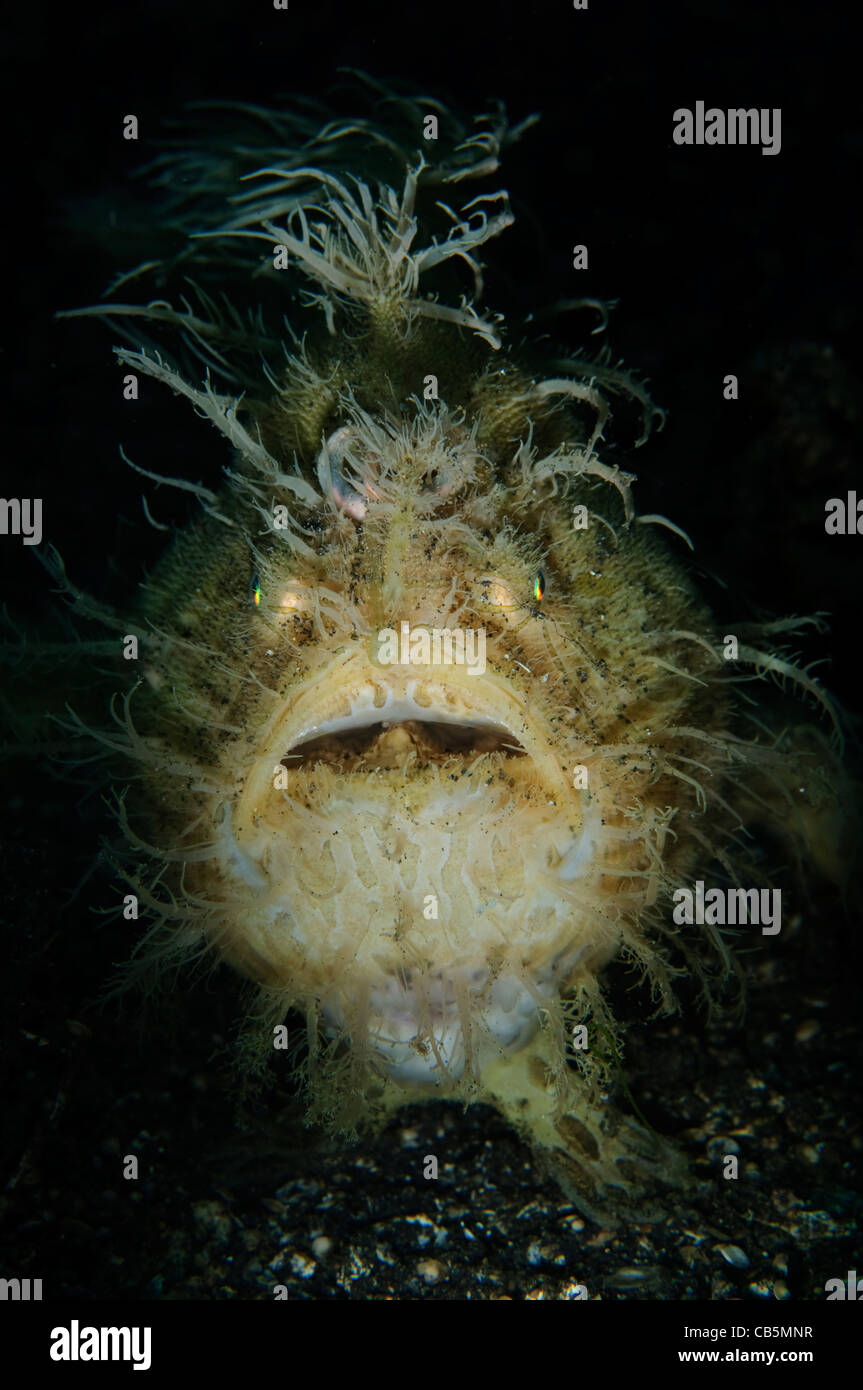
{"x": 427, "y": 724}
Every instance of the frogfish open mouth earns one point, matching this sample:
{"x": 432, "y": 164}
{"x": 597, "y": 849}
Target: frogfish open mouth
{"x": 427, "y": 724}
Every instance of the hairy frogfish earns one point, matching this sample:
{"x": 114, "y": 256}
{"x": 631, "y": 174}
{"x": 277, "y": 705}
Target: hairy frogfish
{"x": 419, "y": 724}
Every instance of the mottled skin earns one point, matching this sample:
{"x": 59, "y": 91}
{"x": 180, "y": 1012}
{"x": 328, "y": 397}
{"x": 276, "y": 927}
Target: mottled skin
{"x": 436, "y": 900}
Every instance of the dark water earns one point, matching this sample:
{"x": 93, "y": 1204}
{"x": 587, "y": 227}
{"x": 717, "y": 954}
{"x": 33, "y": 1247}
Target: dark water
{"x": 723, "y": 260}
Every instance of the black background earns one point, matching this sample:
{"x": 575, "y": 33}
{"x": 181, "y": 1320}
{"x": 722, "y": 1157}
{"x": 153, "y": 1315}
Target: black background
{"x": 723, "y": 260}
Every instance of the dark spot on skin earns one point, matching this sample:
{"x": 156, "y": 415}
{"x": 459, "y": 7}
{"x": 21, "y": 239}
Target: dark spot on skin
{"x": 577, "y": 1135}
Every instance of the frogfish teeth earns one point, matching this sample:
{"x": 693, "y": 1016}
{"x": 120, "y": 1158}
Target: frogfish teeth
{"x": 427, "y": 724}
